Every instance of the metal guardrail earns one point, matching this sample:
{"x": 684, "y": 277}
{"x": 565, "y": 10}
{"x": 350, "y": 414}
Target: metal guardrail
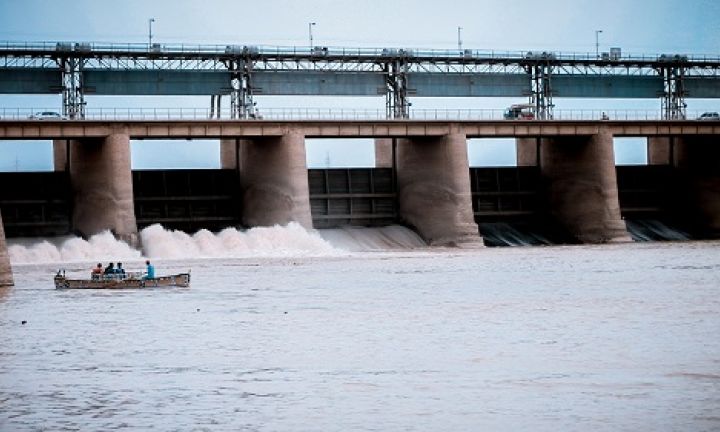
{"x": 325, "y": 114}
{"x": 320, "y": 51}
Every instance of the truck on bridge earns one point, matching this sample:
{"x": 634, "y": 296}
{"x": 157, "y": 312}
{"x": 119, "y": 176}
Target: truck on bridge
{"x": 520, "y": 112}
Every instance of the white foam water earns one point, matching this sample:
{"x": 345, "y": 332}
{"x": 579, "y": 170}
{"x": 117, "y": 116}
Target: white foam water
{"x": 160, "y": 243}
{"x": 276, "y": 241}
{"x": 100, "y": 247}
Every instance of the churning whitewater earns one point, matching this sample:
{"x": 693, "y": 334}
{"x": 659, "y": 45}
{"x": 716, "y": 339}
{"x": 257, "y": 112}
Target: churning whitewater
{"x": 159, "y": 242}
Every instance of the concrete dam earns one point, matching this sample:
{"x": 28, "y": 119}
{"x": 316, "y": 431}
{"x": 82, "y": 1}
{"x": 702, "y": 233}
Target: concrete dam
{"x": 566, "y": 178}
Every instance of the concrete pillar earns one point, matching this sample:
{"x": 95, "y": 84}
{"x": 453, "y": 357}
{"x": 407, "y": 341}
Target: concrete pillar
{"x": 101, "y": 178}
{"x": 698, "y": 165}
{"x": 527, "y": 151}
{"x": 582, "y": 186}
{"x": 60, "y": 156}
{"x": 6, "y": 277}
{"x": 229, "y": 153}
{"x": 434, "y": 193}
{"x": 274, "y": 178}
{"x": 383, "y": 153}
{"x": 659, "y": 150}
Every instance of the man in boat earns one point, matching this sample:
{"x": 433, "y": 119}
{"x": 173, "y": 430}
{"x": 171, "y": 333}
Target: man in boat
{"x": 97, "y": 272}
{"x": 150, "y": 270}
{"x": 110, "y": 269}
{"x": 120, "y": 271}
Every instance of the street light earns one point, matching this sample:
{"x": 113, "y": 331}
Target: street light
{"x": 150, "y": 21}
{"x": 597, "y": 43}
{"x": 459, "y": 39}
{"x": 310, "y": 26}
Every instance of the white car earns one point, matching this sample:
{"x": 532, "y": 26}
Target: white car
{"x": 710, "y": 116}
{"x": 47, "y": 115}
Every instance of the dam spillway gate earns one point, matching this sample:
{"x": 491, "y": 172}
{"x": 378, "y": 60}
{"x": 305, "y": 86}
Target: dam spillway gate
{"x": 40, "y": 204}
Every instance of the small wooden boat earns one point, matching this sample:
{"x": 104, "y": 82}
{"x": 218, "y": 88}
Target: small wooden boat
{"x": 132, "y": 280}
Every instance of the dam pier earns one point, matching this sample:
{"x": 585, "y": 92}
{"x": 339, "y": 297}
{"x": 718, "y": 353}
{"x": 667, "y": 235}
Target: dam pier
{"x": 565, "y": 174}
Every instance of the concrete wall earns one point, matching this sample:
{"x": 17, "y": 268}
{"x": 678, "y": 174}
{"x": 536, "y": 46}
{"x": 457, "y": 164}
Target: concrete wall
{"x": 581, "y": 182}
{"x": 6, "y": 277}
{"x": 60, "y": 155}
{"x": 229, "y": 149}
{"x": 274, "y": 179}
{"x": 383, "y": 153}
{"x": 434, "y": 189}
{"x": 101, "y": 179}
{"x": 660, "y": 150}
{"x": 698, "y": 165}
{"x": 527, "y": 151}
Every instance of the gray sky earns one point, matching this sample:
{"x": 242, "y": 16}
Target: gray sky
{"x": 638, "y": 26}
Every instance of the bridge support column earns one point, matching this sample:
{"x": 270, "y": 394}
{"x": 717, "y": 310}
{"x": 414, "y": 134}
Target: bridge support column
{"x": 6, "y": 277}
{"x": 582, "y": 186}
{"x": 527, "y": 150}
{"x": 60, "y": 155}
{"x": 101, "y": 178}
{"x": 698, "y": 165}
{"x": 434, "y": 189}
{"x": 383, "y": 152}
{"x": 274, "y": 178}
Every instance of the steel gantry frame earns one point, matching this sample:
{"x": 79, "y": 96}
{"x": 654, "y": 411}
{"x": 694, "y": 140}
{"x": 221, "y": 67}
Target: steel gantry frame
{"x": 397, "y": 105}
{"x": 541, "y": 96}
{"x": 673, "y": 98}
{"x": 73, "y": 97}
{"x": 242, "y": 105}
{"x": 241, "y": 62}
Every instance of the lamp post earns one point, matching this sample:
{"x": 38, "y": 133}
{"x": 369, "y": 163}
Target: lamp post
{"x": 150, "y": 22}
{"x": 597, "y": 43}
{"x": 459, "y": 39}
{"x": 310, "y": 27}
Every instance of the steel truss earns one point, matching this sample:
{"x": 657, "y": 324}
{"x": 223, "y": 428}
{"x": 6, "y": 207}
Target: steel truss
{"x": 395, "y": 64}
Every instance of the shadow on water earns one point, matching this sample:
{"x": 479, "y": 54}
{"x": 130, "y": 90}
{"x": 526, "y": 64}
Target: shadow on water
{"x": 523, "y": 234}
{"x": 536, "y": 234}
{"x": 655, "y": 230}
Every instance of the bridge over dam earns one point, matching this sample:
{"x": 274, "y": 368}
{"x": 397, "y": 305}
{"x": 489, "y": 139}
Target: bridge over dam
{"x": 566, "y": 174}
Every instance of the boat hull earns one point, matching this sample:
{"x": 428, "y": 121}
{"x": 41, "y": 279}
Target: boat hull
{"x": 178, "y": 280}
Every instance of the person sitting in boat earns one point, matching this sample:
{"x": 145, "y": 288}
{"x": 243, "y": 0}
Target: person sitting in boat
{"x": 150, "y": 270}
{"x": 120, "y": 271}
{"x": 110, "y": 269}
{"x": 97, "y": 272}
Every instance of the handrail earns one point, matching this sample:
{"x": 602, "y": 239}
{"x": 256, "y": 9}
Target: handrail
{"x": 333, "y": 51}
{"x": 301, "y": 113}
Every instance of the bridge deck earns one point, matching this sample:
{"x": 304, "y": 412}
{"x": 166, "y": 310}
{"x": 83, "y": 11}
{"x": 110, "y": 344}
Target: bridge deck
{"x": 72, "y": 129}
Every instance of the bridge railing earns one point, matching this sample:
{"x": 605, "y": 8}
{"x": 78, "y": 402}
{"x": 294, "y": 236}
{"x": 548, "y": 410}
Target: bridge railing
{"x": 159, "y": 114}
{"x": 331, "y": 51}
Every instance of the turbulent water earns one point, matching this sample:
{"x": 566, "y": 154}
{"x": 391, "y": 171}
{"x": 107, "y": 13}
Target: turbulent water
{"x": 288, "y": 330}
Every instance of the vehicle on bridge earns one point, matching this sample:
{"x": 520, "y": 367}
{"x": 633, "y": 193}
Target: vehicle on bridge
{"x": 520, "y": 112}
{"x": 709, "y": 116}
{"x": 47, "y": 115}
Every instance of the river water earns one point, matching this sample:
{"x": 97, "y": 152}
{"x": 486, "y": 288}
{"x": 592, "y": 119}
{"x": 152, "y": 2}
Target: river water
{"x": 286, "y": 331}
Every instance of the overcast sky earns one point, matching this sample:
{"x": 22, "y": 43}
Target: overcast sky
{"x": 638, "y": 26}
